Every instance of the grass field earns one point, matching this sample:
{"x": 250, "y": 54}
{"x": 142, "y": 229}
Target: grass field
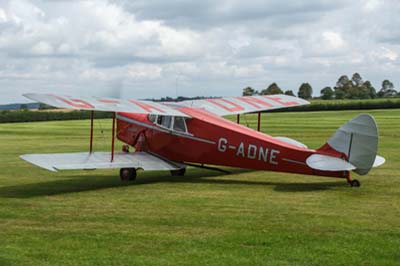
{"x": 203, "y": 218}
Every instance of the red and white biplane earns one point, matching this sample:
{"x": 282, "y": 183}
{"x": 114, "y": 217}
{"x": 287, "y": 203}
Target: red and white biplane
{"x": 170, "y": 136}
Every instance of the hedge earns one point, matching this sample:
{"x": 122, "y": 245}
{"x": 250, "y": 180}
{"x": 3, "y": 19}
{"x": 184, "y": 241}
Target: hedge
{"x": 334, "y": 105}
{"x": 32, "y": 116}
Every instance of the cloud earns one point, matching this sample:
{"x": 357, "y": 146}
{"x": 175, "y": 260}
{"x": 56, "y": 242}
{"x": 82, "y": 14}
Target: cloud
{"x": 155, "y": 48}
{"x": 333, "y": 40}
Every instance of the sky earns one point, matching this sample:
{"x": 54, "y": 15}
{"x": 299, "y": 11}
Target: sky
{"x": 156, "y": 48}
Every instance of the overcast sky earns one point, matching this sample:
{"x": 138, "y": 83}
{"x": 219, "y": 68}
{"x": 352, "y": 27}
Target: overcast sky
{"x": 146, "y": 48}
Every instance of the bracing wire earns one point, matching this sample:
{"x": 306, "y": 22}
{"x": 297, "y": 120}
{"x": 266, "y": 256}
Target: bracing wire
{"x": 102, "y": 132}
{"x": 245, "y": 119}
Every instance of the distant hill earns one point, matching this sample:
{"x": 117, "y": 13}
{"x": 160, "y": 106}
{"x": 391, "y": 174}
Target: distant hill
{"x": 17, "y": 106}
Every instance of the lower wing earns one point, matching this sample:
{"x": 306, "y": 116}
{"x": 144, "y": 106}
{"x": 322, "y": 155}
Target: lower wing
{"x": 100, "y": 160}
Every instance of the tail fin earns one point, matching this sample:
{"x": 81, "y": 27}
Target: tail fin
{"x": 358, "y": 141}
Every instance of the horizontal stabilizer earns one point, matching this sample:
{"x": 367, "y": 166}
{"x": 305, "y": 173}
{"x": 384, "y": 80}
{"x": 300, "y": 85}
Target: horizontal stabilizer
{"x": 328, "y": 163}
{"x": 99, "y": 160}
{"x": 379, "y": 160}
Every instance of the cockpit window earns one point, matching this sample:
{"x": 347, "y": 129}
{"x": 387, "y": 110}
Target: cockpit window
{"x": 179, "y": 124}
{"x": 175, "y": 123}
{"x": 166, "y": 121}
{"x": 152, "y": 118}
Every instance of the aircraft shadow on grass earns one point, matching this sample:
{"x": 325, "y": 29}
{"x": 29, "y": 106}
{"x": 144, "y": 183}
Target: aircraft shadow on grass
{"x": 93, "y": 183}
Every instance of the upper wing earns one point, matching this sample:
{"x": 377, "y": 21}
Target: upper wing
{"x": 105, "y": 104}
{"x": 218, "y": 106}
{"x": 244, "y": 104}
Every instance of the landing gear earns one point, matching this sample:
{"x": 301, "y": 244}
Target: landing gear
{"x": 352, "y": 182}
{"x": 355, "y": 183}
{"x": 179, "y": 172}
{"x": 127, "y": 174}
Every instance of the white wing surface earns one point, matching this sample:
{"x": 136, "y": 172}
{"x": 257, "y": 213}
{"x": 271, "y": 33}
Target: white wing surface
{"x": 244, "y": 104}
{"x": 105, "y": 104}
{"x": 99, "y": 160}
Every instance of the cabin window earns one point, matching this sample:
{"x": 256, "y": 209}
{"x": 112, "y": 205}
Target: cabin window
{"x": 152, "y": 118}
{"x": 179, "y": 124}
{"x": 166, "y": 121}
{"x": 175, "y": 123}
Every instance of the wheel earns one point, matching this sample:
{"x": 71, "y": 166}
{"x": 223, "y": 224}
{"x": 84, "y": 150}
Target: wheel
{"x": 179, "y": 172}
{"x": 355, "y": 183}
{"x": 127, "y": 174}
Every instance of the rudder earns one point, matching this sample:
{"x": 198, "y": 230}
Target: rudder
{"x": 358, "y": 140}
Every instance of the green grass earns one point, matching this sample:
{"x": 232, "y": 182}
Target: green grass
{"x": 204, "y": 218}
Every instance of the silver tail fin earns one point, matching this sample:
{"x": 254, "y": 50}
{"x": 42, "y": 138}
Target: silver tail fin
{"x": 358, "y": 140}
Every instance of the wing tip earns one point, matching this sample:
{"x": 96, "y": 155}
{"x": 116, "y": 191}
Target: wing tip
{"x": 27, "y": 158}
{"x": 27, "y": 95}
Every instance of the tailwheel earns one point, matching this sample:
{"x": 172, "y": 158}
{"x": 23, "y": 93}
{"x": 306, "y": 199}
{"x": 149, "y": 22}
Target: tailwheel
{"x": 355, "y": 183}
{"x": 127, "y": 174}
{"x": 179, "y": 172}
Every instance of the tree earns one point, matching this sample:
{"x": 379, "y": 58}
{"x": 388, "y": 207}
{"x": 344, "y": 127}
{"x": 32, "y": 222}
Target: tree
{"x": 289, "y": 92}
{"x": 343, "y": 81}
{"x": 249, "y": 91}
{"x": 327, "y": 93}
{"x": 305, "y": 91}
{"x": 357, "y": 80}
{"x": 370, "y": 89}
{"x": 339, "y": 93}
{"x": 272, "y": 89}
{"x": 387, "y": 89}
{"x": 24, "y": 107}
{"x": 342, "y": 89}
{"x": 353, "y": 93}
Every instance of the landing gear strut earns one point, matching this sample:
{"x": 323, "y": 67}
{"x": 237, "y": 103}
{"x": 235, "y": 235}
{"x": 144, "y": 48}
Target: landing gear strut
{"x": 352, "y": 182}
{"x": 127, "y": 174}
{"x": 179, "y": 172}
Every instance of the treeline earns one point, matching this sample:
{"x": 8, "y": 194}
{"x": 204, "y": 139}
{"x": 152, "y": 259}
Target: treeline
{"x": 345, "y": 88}
{"x": 334, "y": 105}
{"x": 33, "y": 116}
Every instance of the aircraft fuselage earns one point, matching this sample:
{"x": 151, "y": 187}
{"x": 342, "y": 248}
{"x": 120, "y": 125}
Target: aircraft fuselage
{"x": 210, "y": 139}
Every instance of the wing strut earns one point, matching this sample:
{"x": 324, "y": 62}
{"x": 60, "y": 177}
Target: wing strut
{"x": 259, "y": 121}
{"x": 91, "y": 131}
{"x": 113, "y": 138}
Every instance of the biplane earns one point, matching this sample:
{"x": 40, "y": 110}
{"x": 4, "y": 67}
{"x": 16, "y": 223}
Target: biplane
{"x": 171, "y": 136}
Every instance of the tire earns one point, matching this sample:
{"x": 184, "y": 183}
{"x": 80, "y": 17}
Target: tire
{"x": 355, "y": 183}
{"x": 179, "y": 172}
{"x": 127, "y": 174}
